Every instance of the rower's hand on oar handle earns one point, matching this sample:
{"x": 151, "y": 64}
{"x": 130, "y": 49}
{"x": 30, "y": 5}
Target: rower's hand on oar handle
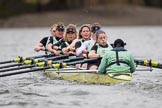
{"x": 85, "y": 51}
{"x": 55, "y": 47}
{"x": 57, "y": 53}
{"x": 71, "y": 48}
{"x": 40, "y": 48}
{"x": 72, "y": 53}
{"x": 99, "y": 56}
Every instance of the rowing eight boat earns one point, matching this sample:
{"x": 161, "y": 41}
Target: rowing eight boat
{"x": 87, "y": 76}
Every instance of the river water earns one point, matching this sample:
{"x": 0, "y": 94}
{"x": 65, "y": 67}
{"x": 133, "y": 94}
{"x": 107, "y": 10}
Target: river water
{"x": 35, "y": 90}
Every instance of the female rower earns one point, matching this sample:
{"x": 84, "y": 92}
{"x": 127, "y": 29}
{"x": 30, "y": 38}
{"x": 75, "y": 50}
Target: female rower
{"x": 86, "y": 46}
{"x": 99, "y": 49}
{"x": 58, "y": 36}
{"x": 42, "y": 45}
{"x": 71, "y": 34}
{"x": 84, "y": 35}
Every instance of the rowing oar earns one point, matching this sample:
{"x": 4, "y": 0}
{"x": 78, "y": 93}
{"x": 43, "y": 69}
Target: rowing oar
{"x": 32, "y": 61}
{"x": 48, "y": 66}
{"x": 77, "y": 71}
{"x": 30, "y": 65}
{"x": 149, "y": 63}
{"x": 21, "y": 59}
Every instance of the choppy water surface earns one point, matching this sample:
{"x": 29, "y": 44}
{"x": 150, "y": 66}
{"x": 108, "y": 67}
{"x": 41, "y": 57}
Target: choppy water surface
{"x": 36, "y": 90}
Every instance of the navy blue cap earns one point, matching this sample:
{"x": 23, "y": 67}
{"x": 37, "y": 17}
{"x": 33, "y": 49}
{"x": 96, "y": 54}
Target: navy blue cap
{"x": 60, "y": 27}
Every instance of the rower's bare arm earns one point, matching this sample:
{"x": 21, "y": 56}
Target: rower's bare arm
{"x": 50, "y": 47}
{"x": 39, "y": 47}
{"x": 57, "y": 53}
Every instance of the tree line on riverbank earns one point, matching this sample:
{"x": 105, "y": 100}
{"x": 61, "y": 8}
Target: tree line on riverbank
{"x": 14, "y": 7}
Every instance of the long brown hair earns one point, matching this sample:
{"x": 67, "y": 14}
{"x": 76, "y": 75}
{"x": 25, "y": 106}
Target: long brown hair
{"x": 81, "y": 28}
